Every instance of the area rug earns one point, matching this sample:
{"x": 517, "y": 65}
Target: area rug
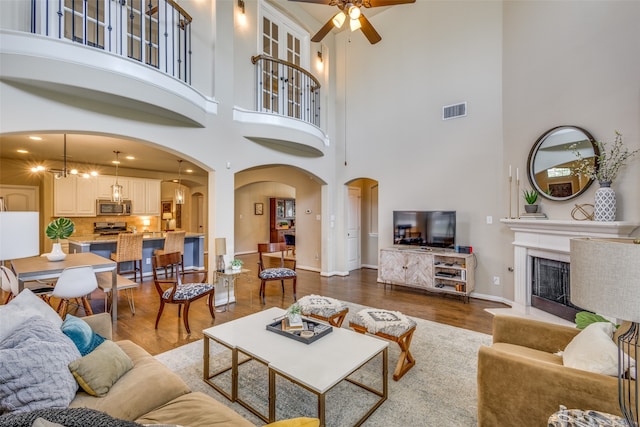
{"x": 440, "y": 390}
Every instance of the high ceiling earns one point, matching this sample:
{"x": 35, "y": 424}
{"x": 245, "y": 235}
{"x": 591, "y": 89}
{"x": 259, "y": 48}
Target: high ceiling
{"x": 92, "y": 152}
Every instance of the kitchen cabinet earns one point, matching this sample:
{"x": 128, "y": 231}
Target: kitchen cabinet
{"x": 145, "y": 196}
{"x": 75, "y": 196}
{"x": 104, "y": 186}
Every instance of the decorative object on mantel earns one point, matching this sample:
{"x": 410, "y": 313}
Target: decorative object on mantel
{"x": 588, "y": 216}
{"x": 510, "y": 216}
{"x": 59, "y": 228}
{"x": 605, "y": 171}
{"x": 531, "y": 197}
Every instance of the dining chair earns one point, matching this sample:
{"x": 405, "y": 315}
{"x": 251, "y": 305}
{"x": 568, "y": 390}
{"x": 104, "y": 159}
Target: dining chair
{"x": 286, "y": 270}
{"x": 180, "y": 288}
{"x": 173, "y": 242}
{"x": 75, "y": 283}
{"x": 123, "y": 284}
{"x": 11, "y": 286}
{"x": 290, "y": 241}
{"x": 129, "y": 249}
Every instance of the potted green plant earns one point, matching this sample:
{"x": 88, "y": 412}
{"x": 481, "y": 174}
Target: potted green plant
{"x": 59, "y": 228}
{"x": 531, "y": 197}
{"x": 236, "y": 264}
{"x": 294, "y": 313}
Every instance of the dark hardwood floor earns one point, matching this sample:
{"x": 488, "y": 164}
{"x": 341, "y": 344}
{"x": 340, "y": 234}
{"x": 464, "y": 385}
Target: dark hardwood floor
{"x": 359, "y": 287}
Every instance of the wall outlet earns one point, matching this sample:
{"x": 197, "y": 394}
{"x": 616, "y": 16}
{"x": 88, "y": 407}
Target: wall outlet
{"x": 147, "y": 261}
{"x": 489, "y": 219}
{"x": 496, "y": 280}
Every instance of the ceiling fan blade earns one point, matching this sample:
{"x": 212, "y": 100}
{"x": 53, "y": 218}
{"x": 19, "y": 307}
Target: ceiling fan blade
{"x": 323, "y": 31}
{"x": 379, "y": 3}
{"x": 369, "y": 32}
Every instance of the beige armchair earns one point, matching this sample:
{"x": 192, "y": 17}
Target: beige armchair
{"x": 521, "y": 382}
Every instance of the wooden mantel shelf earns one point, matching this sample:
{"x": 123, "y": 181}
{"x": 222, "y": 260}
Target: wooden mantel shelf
{"x": 573, "y": 228}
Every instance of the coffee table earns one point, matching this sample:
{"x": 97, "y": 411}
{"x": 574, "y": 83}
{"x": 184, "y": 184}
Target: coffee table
{"x": 317, "y": 367}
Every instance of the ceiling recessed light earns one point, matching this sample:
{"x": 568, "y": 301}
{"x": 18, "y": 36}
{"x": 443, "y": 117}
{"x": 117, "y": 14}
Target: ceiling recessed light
{"x": 130, "y": 158}
{"x": 22, "y": 151}
{"x": 115, "y": 162}
{"x": 189, "y": 171}
{"x": 35, "y": 138}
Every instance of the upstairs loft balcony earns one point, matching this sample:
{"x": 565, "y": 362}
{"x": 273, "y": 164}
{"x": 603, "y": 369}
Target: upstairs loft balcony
{"x": 287, "y": 113}
{"x": 137, "y": 54}
{"x": 134, "y": 54}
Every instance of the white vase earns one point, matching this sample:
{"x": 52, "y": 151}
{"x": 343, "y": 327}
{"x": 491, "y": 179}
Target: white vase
{"x": 604, "y": 208}
{"x": 56, "y": 253}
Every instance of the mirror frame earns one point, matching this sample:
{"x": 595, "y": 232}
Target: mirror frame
{"x": 534, "y": 152}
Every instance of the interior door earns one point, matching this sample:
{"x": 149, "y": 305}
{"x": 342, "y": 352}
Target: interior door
{"x": 353, "y": 228}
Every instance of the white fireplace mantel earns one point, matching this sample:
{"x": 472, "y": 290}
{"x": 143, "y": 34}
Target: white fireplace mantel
{"x": 551, "y": 239}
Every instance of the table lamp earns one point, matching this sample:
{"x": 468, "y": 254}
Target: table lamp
{"x": 221, "y": 251}
{"x": 605, "y": 279}
{"x": 19, "y": 235}
{"x": 167, "y": 216}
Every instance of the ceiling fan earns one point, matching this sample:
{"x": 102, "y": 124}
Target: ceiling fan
{"x": 351, "y": 9}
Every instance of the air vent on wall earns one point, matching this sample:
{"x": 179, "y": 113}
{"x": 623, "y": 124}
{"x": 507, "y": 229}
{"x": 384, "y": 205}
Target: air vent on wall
{"x": 454, "y": 111}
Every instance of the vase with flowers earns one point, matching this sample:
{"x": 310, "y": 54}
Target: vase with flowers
{"x": 604, "y": 169}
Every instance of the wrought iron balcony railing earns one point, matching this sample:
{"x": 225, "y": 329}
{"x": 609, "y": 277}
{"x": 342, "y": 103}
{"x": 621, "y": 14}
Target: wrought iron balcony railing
{"x": 155, "y": 32}
{"x": 286, "y": 89}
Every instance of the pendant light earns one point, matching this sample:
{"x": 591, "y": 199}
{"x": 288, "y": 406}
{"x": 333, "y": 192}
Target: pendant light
{"x": 116, "y": 189}
{"x": 179, "y": 194}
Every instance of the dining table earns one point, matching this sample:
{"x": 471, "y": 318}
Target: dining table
{"x": 40, "y": 268}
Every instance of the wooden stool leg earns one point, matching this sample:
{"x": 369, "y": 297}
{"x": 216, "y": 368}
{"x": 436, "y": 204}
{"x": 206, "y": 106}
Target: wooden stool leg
{"x": 87, "y": 307}
{"x": 406, "y": 360}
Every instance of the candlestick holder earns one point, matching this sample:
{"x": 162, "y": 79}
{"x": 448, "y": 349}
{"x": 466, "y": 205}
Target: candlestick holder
{"x": 517, "y": 194}
{"x": 510, "y": 192}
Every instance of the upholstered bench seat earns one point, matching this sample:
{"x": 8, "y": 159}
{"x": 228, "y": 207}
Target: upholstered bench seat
{"x": 390, "y": 325}
{"x": 327, "y": 309}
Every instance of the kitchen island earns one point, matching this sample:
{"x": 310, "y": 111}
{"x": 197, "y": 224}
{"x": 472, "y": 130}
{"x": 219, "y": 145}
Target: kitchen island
{"x": 106, "y": 245}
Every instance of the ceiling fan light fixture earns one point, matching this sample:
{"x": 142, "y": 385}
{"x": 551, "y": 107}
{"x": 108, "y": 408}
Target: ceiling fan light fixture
{"x": 354, "y": 12}
{"x": 338, "y": 20}
{"x": 355, "y": 24}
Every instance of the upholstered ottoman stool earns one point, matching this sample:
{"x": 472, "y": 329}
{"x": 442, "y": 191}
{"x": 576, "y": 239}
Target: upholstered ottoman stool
{"x": 330, "y": 310}
{"x": 390, "y": 325}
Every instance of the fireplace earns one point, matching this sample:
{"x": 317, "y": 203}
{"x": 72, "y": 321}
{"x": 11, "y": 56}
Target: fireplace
{"x": 549, "y": 240}
{"x": 550, "y": 287}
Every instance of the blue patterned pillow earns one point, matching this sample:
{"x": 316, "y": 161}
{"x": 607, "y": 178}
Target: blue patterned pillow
{"x": 81, "y": 334}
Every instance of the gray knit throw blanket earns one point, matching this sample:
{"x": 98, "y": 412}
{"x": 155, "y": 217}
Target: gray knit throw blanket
{"x": 71, "y": 417}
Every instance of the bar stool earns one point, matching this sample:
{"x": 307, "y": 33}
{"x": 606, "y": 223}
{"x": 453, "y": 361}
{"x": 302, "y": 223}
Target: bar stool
{"x": 173, "y": 242}
{"x": 129, "y": 249}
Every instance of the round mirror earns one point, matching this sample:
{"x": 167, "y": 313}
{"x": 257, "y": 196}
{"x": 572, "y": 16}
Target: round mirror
{"x": 553, "y": 158}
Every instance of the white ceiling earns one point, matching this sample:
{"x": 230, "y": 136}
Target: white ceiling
{"x": 91, "y": 152}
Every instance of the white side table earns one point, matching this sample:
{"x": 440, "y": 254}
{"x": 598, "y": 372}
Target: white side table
{"x": 229, "y": 276}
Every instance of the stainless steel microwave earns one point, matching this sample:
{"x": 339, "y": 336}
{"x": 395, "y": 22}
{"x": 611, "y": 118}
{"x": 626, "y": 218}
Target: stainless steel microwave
{"x": 107, "y": 207}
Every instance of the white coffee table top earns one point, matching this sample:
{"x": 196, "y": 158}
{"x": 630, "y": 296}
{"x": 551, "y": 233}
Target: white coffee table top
{"x": 319, "y": 365}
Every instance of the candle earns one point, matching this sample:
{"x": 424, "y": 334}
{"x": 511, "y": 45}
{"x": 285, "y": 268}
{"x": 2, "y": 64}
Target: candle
{"x": 509, "y": 171}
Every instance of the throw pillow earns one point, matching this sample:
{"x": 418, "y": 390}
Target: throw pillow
{"x": 69, "y": 417}
{"x": 81, "y": 334}
{"x": 23, "y": 307}
{"x": 593, "y": 350}
{"x": 33, "y": 367}
{"x": 100, "y": 369}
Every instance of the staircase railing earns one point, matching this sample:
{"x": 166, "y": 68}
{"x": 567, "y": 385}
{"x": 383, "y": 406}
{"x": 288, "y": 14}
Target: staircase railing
{"x": 155, "y": 32}
{"x": 286, "y": 89}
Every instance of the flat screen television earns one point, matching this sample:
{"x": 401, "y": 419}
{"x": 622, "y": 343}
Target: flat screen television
{"x": 435, "y": 229}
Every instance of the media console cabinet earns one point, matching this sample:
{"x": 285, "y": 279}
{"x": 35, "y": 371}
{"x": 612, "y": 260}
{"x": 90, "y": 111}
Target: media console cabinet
{"x": 433, "y": 270}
